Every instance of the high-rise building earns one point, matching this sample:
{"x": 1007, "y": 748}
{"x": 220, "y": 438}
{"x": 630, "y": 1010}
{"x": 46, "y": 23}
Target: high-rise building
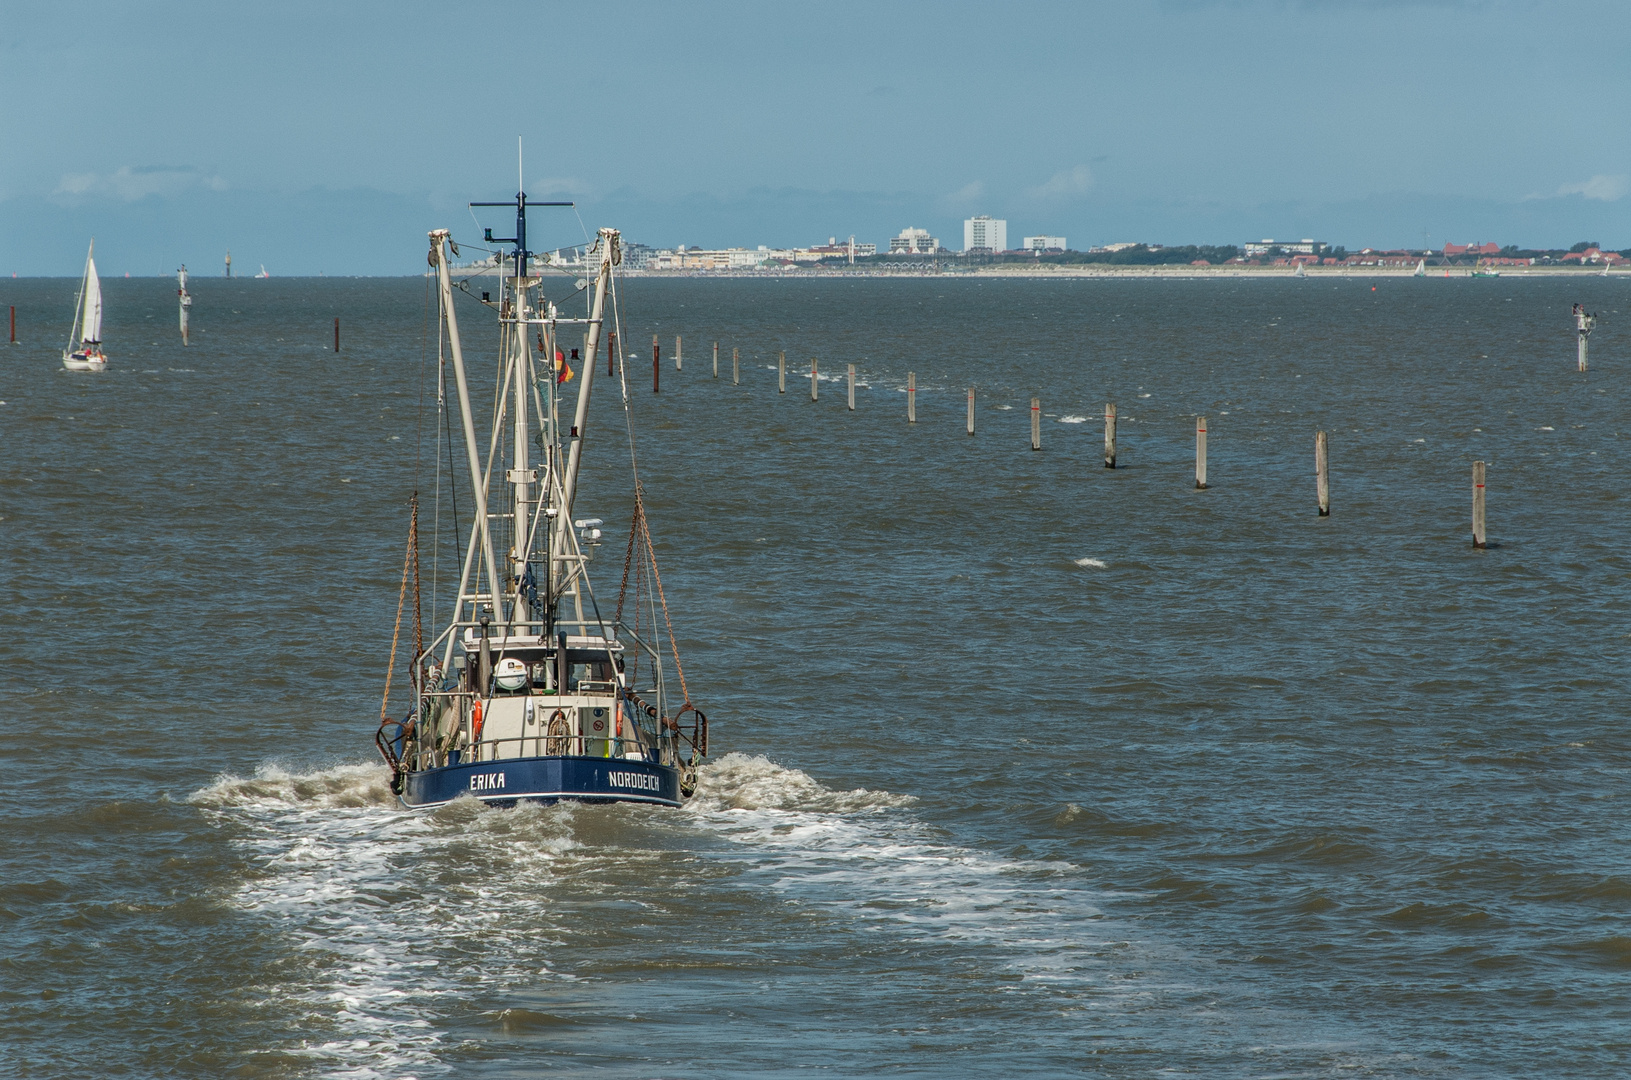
{"x": 985, "y": 233}
{"x": 1044, "y": 243}
{"x": 913, "y": 241}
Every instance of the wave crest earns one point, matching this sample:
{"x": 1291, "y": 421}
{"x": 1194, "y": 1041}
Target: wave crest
{"x": 752, "y": 782}
{"x": 274, "y": 786}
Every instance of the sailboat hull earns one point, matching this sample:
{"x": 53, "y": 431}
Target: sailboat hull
{"x": 545, "y": 780}
{"x": 82, "y": 361}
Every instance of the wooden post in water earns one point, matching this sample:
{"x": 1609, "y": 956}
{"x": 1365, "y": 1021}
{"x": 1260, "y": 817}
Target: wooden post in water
{"x": 852, "y": 388}
{"x": 1109, "y": 436}
{"x": 911, "y": 397}
{"x": 716, "y": 359}
{"x": 656, "y": 363}
{"x": 611, "y": 354}
{"x": 1322, "y": 474}
{"x": 679, "y": 354}
{"x": 1200, "y": 453}
{"x": 1036, "y": 423}
{"x": 736, "y": 366}
{"x": 781, "y": 372}
{"x": 812, "y": 378}
{"x": 1583, "y": 323}
{"x": 971, "y": 410}
{"x": 1478, "y": 535}
{"x": 14, "y": 324}
{"x": 336, "y": 333}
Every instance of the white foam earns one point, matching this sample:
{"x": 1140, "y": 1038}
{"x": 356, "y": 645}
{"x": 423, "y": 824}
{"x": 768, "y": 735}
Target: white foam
{"x": 1096, "y": 564}
{"x": 1073, "y": 419}
{"x": 1004, "y": 408}
{"x": 400, "y": 917}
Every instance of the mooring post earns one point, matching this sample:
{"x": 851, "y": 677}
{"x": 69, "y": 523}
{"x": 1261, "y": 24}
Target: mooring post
{"x": 971, "y": 410}
{"x": 1583, "y": 324}
{"x": 852, "y": 388}
{"x": 812, "y": 378}
{"x": 1322, "y": 475}
{"x": 1200, "y": 452}
{"x": 1478, "y": 536}
{"x": 611, "y": 353}
{"x": 336, "y": 333}
{"x": 679, "y": 354}
{"x": 1109, "y": 435}
{"x": 14, "y": 324}
{"x": 1036, "y": 423}
{"x": 656, "y": 363}
{"x": 781, "y": 373}
{"x": 911, "y": 397}
{"x": 736, "y": 366}
{"x": 716, "y": 359}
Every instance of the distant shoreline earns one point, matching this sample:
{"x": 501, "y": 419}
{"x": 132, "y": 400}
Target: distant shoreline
{"x": 1100, "y": 270}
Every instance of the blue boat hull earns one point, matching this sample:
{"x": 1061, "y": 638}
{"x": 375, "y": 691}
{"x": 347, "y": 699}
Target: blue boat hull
{"x": 545, "y": 780}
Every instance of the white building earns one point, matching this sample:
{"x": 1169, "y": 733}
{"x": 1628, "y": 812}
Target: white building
{"x": 913, "y": 242}
{"x": 985, "y": 233}
{"x": 1044, "y": 243}
{"x": 1304, "y": 246}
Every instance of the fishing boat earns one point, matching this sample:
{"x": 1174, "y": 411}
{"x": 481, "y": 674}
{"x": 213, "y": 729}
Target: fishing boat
{"x": 1485, "y": 271}
{"x": 533, "y": 689}
{"x": 87, "y": 354}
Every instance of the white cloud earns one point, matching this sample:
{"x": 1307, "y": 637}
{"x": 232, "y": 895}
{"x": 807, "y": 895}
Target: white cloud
{"x": 1601, "y": 187}
{"x": 557, "y": 185}
{"x": 964, "y": 197}
{"x": 128, "y": 184}
{"x": 1066, "y": 184}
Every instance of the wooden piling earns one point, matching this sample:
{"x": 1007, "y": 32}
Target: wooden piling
{"x": 1036, "y": 423}
{"x": 1200, "y": 453}
{"x": 1322, "y": 475}
{"x": 679, "y": 354}
{"x": 852, "y": 388}
{"x": 336, "y": 333}
{"x": 813, "y": 394}
{"x": 716, "y": 359}
{"x": 1478, "y": 536}
{"x": 971, "y": 410}
{"x": 911, "y": 397}
{"x": 1109, "y": 435}
{"x": 656, "y": 363}
{"x": 736, "y": 366}
{"x": 611, "y": 353}
{"x": 14, "y": 324}
{"x": 781, "y": 373}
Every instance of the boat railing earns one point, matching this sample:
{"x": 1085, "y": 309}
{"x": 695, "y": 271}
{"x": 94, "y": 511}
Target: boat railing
{"x": 439, "y": 743}
{"x": 617, "y": 748}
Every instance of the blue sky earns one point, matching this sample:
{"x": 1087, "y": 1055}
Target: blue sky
{"x": 328, "y": 137}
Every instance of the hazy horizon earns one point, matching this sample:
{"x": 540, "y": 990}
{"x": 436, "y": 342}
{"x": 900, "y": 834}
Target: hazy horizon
{"x": 313, "y": 140}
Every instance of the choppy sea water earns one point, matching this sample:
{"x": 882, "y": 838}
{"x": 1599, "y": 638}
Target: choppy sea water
{"x": 1025, "y": 767}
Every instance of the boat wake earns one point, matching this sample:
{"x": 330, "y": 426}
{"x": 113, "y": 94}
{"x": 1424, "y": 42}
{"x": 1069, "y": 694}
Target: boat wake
{"x": 402, "y": 924}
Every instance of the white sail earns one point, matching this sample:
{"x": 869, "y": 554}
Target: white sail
{"x": 90, "y": 326}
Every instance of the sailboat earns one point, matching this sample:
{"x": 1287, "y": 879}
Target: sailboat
{"x": 87, "y": 354}
{"x": 534, "y": 689}
{"x": 263, "y": 273}
{"x": 1421, "y": 268}
{"x": 1299, "y": 272}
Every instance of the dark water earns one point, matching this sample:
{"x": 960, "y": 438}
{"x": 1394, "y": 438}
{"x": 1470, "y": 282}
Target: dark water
{"x": 1027, "y": 767}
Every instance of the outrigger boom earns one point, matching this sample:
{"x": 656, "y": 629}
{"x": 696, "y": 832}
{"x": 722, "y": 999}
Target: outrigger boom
{"x": 519, "y": 697}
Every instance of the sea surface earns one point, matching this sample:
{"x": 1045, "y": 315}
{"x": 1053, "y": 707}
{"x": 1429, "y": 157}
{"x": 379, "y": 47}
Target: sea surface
{"x": 1022, "y": 766}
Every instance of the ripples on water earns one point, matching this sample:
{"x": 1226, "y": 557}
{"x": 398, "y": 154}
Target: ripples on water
{"x": 1029, "y": 767}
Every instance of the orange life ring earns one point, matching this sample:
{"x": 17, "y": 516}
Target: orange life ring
{"x": 475, "y": 720}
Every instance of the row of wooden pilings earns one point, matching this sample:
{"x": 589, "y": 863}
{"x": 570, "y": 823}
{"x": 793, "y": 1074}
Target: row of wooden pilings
{"x": 1322, "y": 473}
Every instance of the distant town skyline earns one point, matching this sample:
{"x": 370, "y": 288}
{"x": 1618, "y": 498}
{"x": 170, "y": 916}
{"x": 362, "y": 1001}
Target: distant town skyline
{"x": 316, "y": 138}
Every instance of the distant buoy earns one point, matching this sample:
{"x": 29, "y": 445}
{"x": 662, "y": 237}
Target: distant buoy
{"x": 1373, "y": 288}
